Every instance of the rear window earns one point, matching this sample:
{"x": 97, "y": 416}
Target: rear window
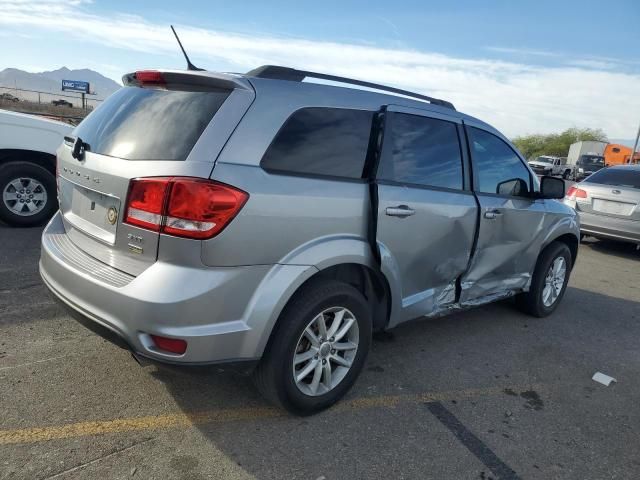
{"x": 616, "y": 177}
{"x": 591, "y": 160}
{"x": 321, "y": 141}
{"x": 147, "y": 124}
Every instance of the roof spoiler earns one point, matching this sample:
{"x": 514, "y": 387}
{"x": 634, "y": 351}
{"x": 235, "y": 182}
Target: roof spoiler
{"x": 189, "y": 78}
{"x": 276, "y": 72}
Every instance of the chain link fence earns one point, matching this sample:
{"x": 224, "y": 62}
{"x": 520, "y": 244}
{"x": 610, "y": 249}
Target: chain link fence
{"x": 67, "y": 107}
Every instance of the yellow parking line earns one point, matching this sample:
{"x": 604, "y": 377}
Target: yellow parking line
{"x": 172, "y": 420}
{"x": 185, "y": 420}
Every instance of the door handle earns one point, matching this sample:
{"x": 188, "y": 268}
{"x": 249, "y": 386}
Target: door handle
{"x": 492, "y": 213}
{"x": 400, "y": 211}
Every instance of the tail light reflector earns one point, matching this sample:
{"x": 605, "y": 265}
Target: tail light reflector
{"x": 172, "y": 345}
{"x": 181, "y": 206}
{"x": 575, "y": 192}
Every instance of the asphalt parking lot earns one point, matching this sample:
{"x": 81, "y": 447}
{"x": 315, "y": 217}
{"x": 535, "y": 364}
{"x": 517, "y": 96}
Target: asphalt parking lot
{"x": 488, "y": 393}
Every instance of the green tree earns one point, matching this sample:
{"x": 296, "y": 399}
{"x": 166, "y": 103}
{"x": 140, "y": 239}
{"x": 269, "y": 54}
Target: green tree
{"x": 556, "y": 144}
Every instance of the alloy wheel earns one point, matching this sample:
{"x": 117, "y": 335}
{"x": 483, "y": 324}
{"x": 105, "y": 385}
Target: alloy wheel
{"x": 554, "y": 281}
{"x": 24, "y": 196}
{"x": 325, "y": 351}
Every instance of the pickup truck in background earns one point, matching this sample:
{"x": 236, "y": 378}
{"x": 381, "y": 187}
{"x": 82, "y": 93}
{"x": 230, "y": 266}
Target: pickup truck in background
{"x": 28, "y": 167}
{"x": 586, "y": 157}
{"x": 62, "y": 103}
{"x": 7, "y": 97}
{"x": 548, "y": 165}
{"x": 587, "y": 165}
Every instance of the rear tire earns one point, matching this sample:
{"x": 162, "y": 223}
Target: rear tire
{"x": 547, "y": 288}
{"x": 17, "y": 176}
{"x": 275, "y": 376}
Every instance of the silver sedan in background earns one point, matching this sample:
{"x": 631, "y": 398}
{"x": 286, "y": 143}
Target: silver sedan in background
{"x": 608, "y": 203}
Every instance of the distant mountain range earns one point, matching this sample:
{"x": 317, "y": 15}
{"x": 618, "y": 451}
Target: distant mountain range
{"x": 51, "y": 81}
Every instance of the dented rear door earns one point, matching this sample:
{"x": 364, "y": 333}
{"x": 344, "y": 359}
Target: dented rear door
{"x": 426, "y": 212}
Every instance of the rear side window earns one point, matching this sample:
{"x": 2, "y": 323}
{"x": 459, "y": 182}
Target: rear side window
{"x": 147, "y": 124}
{"x": 422, "y": 151}
{"x": 496, "y": 163}
{"x": 616, "y": 177}
{"x": 321, "y": 141}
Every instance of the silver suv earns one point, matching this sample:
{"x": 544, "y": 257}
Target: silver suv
{"x": 210, "y": 217}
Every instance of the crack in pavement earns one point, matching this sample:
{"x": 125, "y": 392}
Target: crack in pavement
{"x": 96, "y": 460}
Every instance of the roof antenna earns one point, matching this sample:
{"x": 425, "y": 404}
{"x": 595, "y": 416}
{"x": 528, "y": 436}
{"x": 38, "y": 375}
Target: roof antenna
{"x": 190, "y": 66}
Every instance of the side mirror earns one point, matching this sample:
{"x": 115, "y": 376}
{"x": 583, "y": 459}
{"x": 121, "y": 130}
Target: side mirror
{"x": 514, "y": 187}
{"x": 551, "y": 187}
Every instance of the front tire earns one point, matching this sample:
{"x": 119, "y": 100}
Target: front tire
{"x": 549, "y": 281}
{"x": 28, "y": 194}
{"x": 317, "y": 349}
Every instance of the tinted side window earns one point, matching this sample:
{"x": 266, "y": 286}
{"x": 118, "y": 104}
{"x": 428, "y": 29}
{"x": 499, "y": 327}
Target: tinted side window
{"x": 423, "y": 151}
{"x": 321, "y": 141}
{"x": 496, "y": 163}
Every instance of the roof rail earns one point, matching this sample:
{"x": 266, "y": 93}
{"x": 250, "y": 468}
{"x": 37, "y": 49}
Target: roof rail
{"x": 276, "y": 72}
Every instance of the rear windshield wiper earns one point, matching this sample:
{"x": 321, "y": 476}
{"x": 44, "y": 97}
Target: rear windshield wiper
{"x": 78, "y": 147}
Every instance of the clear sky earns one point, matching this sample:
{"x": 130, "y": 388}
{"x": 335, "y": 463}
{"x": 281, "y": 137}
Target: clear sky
{"x": 526, "y": 66}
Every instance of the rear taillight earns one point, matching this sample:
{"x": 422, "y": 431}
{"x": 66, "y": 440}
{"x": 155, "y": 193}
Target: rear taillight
{"x": 575, "y": 192}
{"x": 184, "y": 207}
{"x": 201, "y": 208}
{"x": 145, "y": 202}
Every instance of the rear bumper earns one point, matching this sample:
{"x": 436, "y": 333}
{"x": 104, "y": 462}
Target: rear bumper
{"x": 210, "y": 308}
{"x": 610, "y": 227}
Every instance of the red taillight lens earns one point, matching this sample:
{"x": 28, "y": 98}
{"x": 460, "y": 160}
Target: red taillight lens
{"x": 150, "y": 77}
{"x": 184, "y": 207}
{"x": 173, "y": 345}
{"x": 575, "y": 192}
{"x": 145, "y": 202}
{"x": 200, "y": 209}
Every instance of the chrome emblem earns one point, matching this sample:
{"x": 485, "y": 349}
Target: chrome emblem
{"x": 135, "y": 248}
{"x": 617, "y": 192}
{"x": 112, "y": 215}
{"x": 134, "y": 238}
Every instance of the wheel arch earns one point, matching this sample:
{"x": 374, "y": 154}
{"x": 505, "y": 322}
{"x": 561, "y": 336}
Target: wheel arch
{"x": 43, "y": 159}
{"x": 371, "y": 283}
{"x": 571, "y": 241}
{"x": 347, "y": 258}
